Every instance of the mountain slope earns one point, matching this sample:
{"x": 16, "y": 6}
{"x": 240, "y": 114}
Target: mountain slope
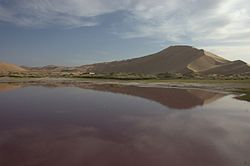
{"x": 6, "y": 67}
{"x": 174, "y": 59}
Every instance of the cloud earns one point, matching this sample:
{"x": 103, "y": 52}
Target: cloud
{"x": 172, "y": 20}
{"x": 215, "y": 24}
{"x": 232, "y": 52}
{"x": 192, "y": 20}
{"x": 65, "y": 13}
{"x": 196, "y": 22}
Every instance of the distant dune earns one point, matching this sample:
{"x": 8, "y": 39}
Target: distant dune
{"x": 6, "y": 67}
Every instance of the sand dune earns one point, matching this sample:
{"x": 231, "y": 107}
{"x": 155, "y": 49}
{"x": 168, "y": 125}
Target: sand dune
{"x": 174, "y": 59}
{"x": 206, "y": 62}
{"x": 6, "y": 67}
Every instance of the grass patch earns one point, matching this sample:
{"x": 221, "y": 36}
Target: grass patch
{"x": 136, "y": 77}
{"x": 202, "y": 81}
{"x": 245, "y": 94}
{"x": 117, "y": 76}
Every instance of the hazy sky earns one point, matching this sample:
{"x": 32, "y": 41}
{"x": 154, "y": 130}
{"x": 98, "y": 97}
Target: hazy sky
{"x": 74, "y": 32}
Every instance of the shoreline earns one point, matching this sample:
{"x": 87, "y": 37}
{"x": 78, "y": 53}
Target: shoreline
{"x": 218, "y": 85}
{"x": 239, "y": 88}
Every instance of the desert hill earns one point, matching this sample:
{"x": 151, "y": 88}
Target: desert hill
{"x": 7, "y": 67}
{"x": 174, "y": 59}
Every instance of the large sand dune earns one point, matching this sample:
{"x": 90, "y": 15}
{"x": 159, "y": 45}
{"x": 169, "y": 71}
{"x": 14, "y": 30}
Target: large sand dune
{"x": 175, "y": 59}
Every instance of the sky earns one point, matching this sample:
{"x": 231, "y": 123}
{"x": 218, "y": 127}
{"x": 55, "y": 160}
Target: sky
{"x": 76, "y": 32}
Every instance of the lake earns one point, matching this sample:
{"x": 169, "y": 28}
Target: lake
{"x": 116, "y": 125}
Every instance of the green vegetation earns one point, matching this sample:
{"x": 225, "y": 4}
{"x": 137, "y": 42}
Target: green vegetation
{"x": 26, "y": 75}
{"x": 118, "y": 76}
{"x": 146, "y": 78}
{"x": 245, "y": 94}
{"x": 197, "y": 76}
{"x": 200, "y": 81}
{"x": 238, "y": 82}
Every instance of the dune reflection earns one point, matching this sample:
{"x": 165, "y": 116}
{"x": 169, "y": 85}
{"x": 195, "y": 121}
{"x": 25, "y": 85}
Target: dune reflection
{"x": 7, "y": 87}
{"x": 170, "y": 97}
{"x": 72, "y": 126}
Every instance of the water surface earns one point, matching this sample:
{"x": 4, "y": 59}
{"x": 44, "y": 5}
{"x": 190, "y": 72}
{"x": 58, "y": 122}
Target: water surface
{"x": 106, "y": 125}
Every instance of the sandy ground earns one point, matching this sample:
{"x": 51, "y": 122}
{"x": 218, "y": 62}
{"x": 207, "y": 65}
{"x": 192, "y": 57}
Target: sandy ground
{"x": 221, "y": 86}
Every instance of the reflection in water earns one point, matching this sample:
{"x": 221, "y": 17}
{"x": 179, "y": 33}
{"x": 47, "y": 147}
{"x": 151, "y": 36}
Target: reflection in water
{"x": 8, "y": 87}
{"x": 71, "y": 126}
{"x": 173, "y": 98}
{"x": 170, "y": 97}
